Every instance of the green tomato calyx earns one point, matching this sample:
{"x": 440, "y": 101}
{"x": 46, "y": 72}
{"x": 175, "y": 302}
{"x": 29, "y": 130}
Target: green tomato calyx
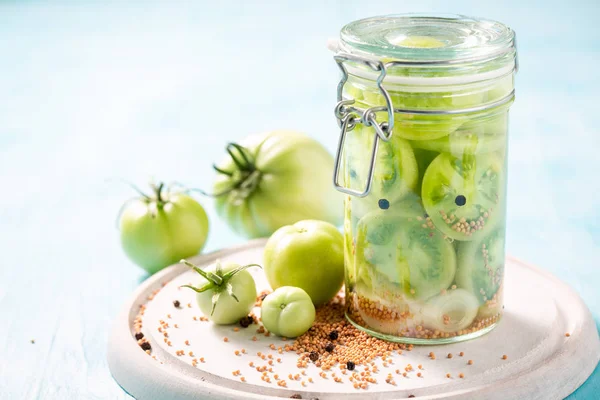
{"x": 218, "y": 281}
{"x": 245, "y": 176}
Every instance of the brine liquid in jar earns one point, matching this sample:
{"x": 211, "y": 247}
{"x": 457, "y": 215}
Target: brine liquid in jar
{"x": 423, "y": 109}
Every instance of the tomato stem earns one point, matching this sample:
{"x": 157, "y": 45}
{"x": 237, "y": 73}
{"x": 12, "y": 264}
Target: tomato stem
{"x": 247, "y": 177}
{"x": 158, "y": 192}
{"x": 232, "y": 273}
{"x": 244, "y": 153}
{"x": 131, "y": 185}
{"x": 222, "y": 171}
{"x": 209, "y": 276}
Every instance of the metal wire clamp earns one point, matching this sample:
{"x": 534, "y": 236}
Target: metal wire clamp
{"x": 348, "y": 117}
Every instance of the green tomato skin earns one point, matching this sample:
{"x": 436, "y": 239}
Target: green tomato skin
{"x": 294, "y": 184}
{"x": 288, "y": 311}
{"x": 156, "y": 237}
{"x": 228, "y": 310}
{"x": 308, "y": 255}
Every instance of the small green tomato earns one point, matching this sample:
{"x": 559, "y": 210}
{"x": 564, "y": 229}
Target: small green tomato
{"x": 160, "y": 229}
{"x": 288, "y": 311}
{"x": 308, "y": 255}
{"x": 226, "y": 293}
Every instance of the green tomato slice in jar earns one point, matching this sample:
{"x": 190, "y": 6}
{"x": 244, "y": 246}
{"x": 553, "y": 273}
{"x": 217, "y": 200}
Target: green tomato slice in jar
{"x": 417, "y": 126}
{"x": 481, "y": 266}
{"x": 462, "y": 195}
{"x": 477, "y": 136}
{"x": 395, "y": 174}
{"x": 403, "y": 253}
{"x": 450, "y": 312}
{"x": 349, "y": 235}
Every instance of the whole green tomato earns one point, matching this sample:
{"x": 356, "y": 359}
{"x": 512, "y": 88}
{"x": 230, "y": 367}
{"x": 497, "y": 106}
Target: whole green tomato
{"x": 288, "y": 311}
{"x": 308, "y": 255}
{"x": 273, "y": 179}
{"x": 161, "y": 229}
{"x": 226, "y": 293}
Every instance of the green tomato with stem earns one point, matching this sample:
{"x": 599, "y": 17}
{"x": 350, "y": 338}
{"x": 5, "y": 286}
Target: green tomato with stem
{"x": 158, "y": 230}
{"x": 226, "y": 293}
{"x": 288, "y": 311}
{"x": 308, "y": 255}
{"x": 275, "y": 179}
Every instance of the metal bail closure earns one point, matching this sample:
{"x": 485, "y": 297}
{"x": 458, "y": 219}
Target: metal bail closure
{"x": 348, "y": 123}
{"x": 348, "y": 117}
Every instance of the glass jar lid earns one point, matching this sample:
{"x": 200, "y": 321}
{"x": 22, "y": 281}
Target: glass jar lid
{"x": 432, "y": 46}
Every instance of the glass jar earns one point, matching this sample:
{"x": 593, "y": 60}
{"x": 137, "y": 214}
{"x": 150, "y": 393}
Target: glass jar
{"x": 423, "y": 110}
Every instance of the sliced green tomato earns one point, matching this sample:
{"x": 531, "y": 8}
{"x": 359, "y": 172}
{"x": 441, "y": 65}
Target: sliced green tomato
{"x": 395, "y": 173}
{"x": 424, "y": 158}
{"x": 397, "y": 249}
{"x": 492, "y": 308}
{"x": 424, "y": 127}
{"x": 414, "y": 126}
{"x": 481, "y": 265}
{"x": 349, "y": 234}
{"x": 463, "y": 195}
{"x": 472, "y": 137}
{"x": 450, "y": 312}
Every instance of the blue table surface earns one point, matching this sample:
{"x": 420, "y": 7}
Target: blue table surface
{"x": 91, "y": 92}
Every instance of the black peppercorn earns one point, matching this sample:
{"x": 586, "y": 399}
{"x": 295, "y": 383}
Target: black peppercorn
{"x": 350, "y": 366}
{"x": 313, "y": 356}
{"x": 146, "y": 346}
{"x": 176, "y": 303}
{"x": 246, "y": 321}
{"x": 329, "y": 347}
{"x": 333, "y": 335}
{"x": 295, "y": 396}
{"x": 139, "y": 335}
{"x": 411, "y": 396}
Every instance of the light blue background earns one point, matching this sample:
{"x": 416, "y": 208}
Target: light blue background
{"x": 92, "y": 91}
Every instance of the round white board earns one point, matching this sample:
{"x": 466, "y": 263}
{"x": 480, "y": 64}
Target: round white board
{"x": 543, "y": 362}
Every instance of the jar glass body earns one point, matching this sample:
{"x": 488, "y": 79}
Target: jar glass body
{"x": 425, "y": 247}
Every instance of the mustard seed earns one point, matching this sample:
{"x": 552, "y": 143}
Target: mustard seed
{"x": 470, "y": 362}
{"x": 504, "y": 357}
